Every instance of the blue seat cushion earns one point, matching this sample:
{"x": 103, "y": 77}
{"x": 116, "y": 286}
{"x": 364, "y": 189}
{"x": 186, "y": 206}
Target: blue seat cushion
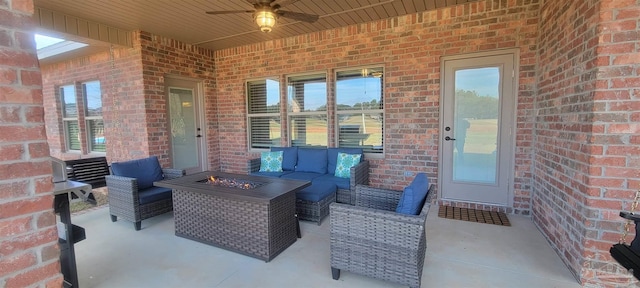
{"x": 341, "y": 183}
{"x": 271, "y": 174}
{"x": 414, "y": 195}
{"x": 312, "y": 160}
{"x": 146, "y": 171}
{"x": 289, "y": 157}
{"x": 317, "y": 191}
{"x": 305, "y": 176}
{"x": 153, "y": 194}
{"x": 332, "y": 157}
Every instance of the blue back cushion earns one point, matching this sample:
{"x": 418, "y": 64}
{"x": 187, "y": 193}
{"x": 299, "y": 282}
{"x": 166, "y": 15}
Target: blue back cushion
{"x": 414, "y": 195}
{"x": 271, "y": 174}
{"x": 146, "y": 170}
{"x": 289, "y": 157}
{"x": 312, "y": 160}
{"x": 332, "y": 157}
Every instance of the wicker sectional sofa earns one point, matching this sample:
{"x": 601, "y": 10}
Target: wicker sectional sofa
{"x": 317, "y": 165}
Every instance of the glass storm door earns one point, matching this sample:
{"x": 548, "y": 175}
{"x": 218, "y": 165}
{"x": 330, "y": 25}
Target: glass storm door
{"x": 186, "y": 136}
{"x": 477, "y": 119}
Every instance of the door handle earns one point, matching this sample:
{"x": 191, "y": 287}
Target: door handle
{"x": 449, "y": 138}
{"x": 198, "y": 136}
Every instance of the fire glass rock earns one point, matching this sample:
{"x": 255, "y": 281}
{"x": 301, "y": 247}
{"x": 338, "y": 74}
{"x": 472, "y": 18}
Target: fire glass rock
{"x": 231, "y": 182}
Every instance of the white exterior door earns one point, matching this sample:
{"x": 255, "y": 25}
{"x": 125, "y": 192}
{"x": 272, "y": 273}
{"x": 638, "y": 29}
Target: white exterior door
{"x": 477, "y": 125}
{"x": 186, "y": 123}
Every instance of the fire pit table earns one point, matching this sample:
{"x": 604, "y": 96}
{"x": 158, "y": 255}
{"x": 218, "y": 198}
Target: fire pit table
{"x": 247, "y": 214}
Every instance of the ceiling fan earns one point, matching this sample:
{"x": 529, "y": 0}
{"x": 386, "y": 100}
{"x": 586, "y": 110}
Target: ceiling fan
{"x": 266, "y": 13}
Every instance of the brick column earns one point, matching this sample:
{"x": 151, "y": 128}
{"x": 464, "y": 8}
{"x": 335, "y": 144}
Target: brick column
{"x": 29, "y": 252}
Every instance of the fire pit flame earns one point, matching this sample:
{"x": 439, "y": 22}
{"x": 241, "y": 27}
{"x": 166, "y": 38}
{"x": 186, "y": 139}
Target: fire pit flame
{"x": 231, "y": 182}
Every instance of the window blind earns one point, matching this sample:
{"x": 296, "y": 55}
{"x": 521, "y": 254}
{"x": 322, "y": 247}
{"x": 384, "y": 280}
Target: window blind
{"x": 263, "y": 107}
{"x": 72, "y": 132}
{"x": 97, "y": 141}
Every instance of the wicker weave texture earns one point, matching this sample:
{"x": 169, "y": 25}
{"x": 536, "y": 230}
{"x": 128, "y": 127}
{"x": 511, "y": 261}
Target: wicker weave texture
{"x": 258, "y": 229}
{"x": 359, "y": 175}
{"x": 314, "y": 211}
{"x": 125, "y": 203}
{"x": 377, "y": 242}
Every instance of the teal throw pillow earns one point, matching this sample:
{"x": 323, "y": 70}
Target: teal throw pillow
{"x": 344, "y": 164}
{"x": 271, "y": 161}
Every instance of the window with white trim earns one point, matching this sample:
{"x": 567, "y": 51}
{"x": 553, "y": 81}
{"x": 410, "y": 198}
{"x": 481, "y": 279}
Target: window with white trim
{"x": 360, "y": 109}
{"x": 92, "y": 97}
{"x": 69, "y": 106}
{"x": 307, "y": 110}
{"x": 263, "y": 113}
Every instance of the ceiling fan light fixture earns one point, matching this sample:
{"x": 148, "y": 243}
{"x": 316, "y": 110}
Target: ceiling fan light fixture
{"x": 265, "y": 20}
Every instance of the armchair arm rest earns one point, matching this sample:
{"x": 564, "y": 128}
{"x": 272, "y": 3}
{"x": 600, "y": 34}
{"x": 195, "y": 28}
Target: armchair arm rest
{"x": 359, "y": 174}
{"x": 253, "y": 165}
{"x": 170, "y": 173}
{"x": 122, "y": 186}
{"x": 372, "y": 225}
{"x": 377, "y": 198}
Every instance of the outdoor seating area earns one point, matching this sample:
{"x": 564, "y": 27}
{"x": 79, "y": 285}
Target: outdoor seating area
{"x": 459, "y": 254}
{"x": 374, "y": 143}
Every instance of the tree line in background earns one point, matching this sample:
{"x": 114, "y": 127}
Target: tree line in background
{"x": 370, "y": 105}
{"x": 475, "y": 106}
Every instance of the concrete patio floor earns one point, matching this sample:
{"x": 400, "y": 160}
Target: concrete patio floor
{"x": 459, "y": 254}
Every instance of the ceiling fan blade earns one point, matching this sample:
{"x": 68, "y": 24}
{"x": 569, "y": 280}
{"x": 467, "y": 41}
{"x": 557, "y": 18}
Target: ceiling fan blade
{"x": 229, "y": 12}
{"x": 304, "y": 17}
{"x": 285, "y": 3}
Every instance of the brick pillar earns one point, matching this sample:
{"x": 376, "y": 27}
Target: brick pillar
{"x": 29, "y": 252}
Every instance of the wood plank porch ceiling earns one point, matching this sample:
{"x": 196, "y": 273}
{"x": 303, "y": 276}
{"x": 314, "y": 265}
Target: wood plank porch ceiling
{"x": 186, "y": 21}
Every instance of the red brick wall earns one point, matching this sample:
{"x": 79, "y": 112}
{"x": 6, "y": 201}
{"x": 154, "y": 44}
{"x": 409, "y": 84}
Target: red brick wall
{"x": 614, "y": 174}
{"x": 409, "y": 47}
{"x": 28, "y": 235}
{"x": 133, "y": 101}
{"x": 162, "y": 57}
{"x": 564, "y": 104}
{"x": 586, "y": 144}
{"x": 120, "y": 76}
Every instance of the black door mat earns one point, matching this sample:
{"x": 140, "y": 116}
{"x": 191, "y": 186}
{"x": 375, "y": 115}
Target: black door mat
{"x": 473, "y": 215}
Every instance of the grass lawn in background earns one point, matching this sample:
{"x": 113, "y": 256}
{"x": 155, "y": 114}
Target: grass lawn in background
{"x": 100, "y": 194}
{"x": 481, "y": 136}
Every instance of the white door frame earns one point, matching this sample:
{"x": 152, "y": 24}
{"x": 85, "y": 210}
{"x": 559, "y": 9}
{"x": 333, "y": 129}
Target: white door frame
{"x": 509, "y": 158}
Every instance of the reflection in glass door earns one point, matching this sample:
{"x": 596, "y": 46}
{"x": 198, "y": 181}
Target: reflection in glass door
{"x": 478, "y": 103}
{"x": 475, "y": 124}
{"x": 182, "y": 115}
{"x": 187, "y": 138}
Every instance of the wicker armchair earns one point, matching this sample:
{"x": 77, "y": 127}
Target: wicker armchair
{"x": 125, "y": 201}
{"x": 371, "y": 239}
